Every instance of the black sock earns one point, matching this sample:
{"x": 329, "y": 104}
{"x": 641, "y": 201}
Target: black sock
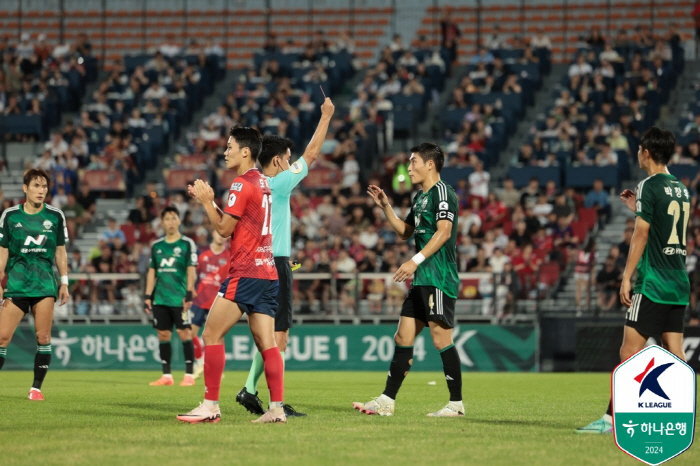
{"x": 453, "y": 371}
{"x": 609, "y": 411}
{"x": 166, "y": 354}
{"x": 41, "y": 364}
{"x": 400, "y": 365}
{"x": 188, "y": 350}
{"x": 3, "y": 355}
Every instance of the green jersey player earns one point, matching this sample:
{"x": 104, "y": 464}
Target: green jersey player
{"x": 657, "y": 253}
{"x": 32, "y": 235}
{"x": 432, "y": 222}
{"x": 169, "y": 287}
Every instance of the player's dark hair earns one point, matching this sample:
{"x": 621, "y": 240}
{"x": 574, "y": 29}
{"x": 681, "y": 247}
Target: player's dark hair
{"x": 430, "y": 151}
{"x": 247, "y": 137}
{"x": 170, "y": 208}
{"x": 660, "y": 143}
{"x": 34, "y": 173}
{"x": 272, "y": 146}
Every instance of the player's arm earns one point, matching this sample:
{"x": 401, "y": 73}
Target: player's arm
{"x": 150, "y": 286}
{"x": 223, "y": 224}
{"x": 314, "y": 148}
{"x": 403, "y": 229}
{"x": 639, "y": 243}
{"x": 443, "y": 233}
{"x": 4, "y": 255}
{"x": 191, "y": 278}
{"x": 61, "y": 257}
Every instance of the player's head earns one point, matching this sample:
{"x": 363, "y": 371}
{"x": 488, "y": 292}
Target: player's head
{"x": 656, "y": 146}
{"x": 170, "y": 217}
{"x": 425, "y": 158}
{"x": 276, "y": 153}
{"x": 35, "y": 185}
{"x": 243, "y": 144}
{"x": 217, "y": 239}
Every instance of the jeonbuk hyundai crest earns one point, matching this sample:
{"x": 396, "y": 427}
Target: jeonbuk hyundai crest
{"x": 653, "y": 400}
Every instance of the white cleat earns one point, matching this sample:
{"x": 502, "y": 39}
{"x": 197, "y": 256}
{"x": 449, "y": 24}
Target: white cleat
{"x": 202, "y": 413}
{"x": 198, "y": 369}
{"x": 376, "y": 406}
{"x": 272, "y": 416}
{"x": 453, "y": 409}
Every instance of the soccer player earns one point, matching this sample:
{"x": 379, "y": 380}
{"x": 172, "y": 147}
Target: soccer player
{"x": 32, "y": 235}
{"x": 169, "y": 285}
{"x": 212, "y": 269}
{"x": 251, "y": 286}
{"x": 283, "y": 178}
{"x": 662, "y": 290}
{"x": 431, "y": 300}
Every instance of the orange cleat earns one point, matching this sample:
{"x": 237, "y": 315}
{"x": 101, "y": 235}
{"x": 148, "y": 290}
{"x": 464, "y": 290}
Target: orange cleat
{"x": 35, "y": 395}
{"x": 164, "y": 380}
{"x": 188, "y": 381}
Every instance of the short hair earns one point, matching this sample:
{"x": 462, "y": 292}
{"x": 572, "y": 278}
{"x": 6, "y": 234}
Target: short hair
{"x": 247, "y": 137}
{"x": 170, "y": 208}
{"x": 660, "y": 143}
{"x": 34, "y": 173}
{"x": 430, "y": 151}
{"x": 272, "y": 146}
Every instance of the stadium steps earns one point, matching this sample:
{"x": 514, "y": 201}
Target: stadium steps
{"x": 682, "y": 97}
{"x": 18, "y": 153}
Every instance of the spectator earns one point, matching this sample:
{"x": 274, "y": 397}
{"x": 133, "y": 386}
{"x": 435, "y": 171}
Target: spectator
{"x": 580, "y": 68}
{"x": 606, "y": 156}
{"x": 531, "y": 193}
{"x": 449, "y": 33}
{"x": 599, "y": 199}
{"x": 624, "y": 245}
{"x": 113, "y": 232}
{"x": 540, "y": 40}
{"x": 608, "y": 283}
{"x": 479, "y": 183}
{"x": 585, "y": 267}
{"x": 509, "y": 195}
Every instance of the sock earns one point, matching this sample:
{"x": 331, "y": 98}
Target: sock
{"x": 41, "y": 365}
{"x": 166, "y": 354}
{"x": 398, "y": 370}
{"x": 256, "y": 371}
{"x": 197, "y": 347}
{"x": 284, "y": 363}
{"x": 214, "y": 362}
{"x": 3, "y": 355}
{"x": 274, "y": 374}
{"x": 188, "y": 351}
{"x": 453, "y": 371}
{"x": 609, "y": 411}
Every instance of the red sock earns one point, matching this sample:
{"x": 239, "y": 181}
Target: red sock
{"x": 197, "y": 347}
{"x": 214, "y": 361}
{"x": 274, "y": 373}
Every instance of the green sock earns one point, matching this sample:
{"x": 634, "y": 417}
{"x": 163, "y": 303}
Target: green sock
{"x": 3, "y": 355}
{"x": 256, "y": 371}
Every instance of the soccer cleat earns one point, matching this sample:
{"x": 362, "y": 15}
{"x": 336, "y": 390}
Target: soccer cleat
{"x": 250, "y": 402}
{"x": 451, "y": 410}
{"x": 599, "y": 426}
{"x": 164, "y": 380}
{"x": 188, "y": 381}
{"x": 35, "y": 395}
{"x": 198, "y": 369}
{"x": 271, "y": 418}
{"x": 376, "y": 406}
{"x": 201, "y": 413}
{"x": 291, "y": 412}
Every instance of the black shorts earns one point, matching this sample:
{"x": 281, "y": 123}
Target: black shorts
{"x": 654, "y": 319}
{"x": 427, "y": 303}
{"x": 283, "y": 316}
{"x": 164, "y": 317}
{"x": 26, "y": 304}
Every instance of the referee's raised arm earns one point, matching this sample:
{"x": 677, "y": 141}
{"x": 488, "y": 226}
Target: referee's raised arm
{"x": 313, "y": 150}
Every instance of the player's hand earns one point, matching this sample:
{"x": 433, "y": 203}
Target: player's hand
{"x": 327, "y": 108}
{"x": 186, "y": 305}
{"x": 192, "y": 193}
{"x": 405, "y": 271}
{"x": 630, "y": 199}
{"x": 63, "y": 295}
{"x": 626, "y": 293}
{"x": 148, "y": 306}
{"x": 378, "y": 195}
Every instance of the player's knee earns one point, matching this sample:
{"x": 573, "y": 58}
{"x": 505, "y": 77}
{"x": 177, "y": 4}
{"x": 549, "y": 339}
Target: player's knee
{"x": 185, "y": 334}
{"x": 164, "y": 335}
{"x": 5, "y": 340}
{"x": 281, "y": 338}
{"x": 403, "y": 340}
{"x": 211, "y": 336}
{"x": 43, "y": 338}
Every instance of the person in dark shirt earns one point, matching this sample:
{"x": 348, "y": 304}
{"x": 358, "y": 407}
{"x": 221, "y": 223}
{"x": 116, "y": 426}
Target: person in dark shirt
{"x": 608, "y": 284}
{"x": 520, "y": 234}
{"x": 87, "y": 200}
{"x": 139, "y": 214}
{"x": 624, "y": 245}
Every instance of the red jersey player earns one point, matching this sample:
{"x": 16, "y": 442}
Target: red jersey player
{"x": 251, "y": 285}
{"x": 212, "y": 270}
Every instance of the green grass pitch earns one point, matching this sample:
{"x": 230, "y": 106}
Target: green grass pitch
{"x": 116, "y": 418}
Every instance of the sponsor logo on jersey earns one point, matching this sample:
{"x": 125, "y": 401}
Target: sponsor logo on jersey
{"x": 222, "y": 261}
{"x": 167, "y": 262}
{"x": 38, "y": 241}
{"x": 296, "y": 167}
{"x": 673, "y": 251}
{"x": 237, "y": 187}
{"x": 18, "y": 225}
{"x": 47, "y": 224}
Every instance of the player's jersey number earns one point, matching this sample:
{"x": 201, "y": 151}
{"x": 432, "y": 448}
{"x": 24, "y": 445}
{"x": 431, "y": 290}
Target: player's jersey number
{"x": 266, "y": 204}
{"x": 674, "y": 209}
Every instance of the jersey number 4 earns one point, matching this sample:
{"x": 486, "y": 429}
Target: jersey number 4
{"x": 266, "y": 203}
{"x": 675, "y": 209}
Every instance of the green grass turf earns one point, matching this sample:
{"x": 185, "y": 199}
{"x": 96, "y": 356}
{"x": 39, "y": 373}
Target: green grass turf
{"x": 115, "y": 418}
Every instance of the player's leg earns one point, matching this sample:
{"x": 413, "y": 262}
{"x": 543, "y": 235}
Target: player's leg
{"x": 10, "y": 317}
{"x": 223, "y": 315}
{"x": 43, "y": 318}
{"x": 580, "y": 284}
{"x": 441, "y": 321}
{"x": 199, "y": 317}
{"x": 672, "y": 331}
{"x": 413, "y": 320}
{"x": 163, "y": 323}
{"x": 262, "y": 327}
{"x": 181, "y": 318}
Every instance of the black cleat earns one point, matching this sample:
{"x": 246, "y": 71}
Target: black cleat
{"x": 290, "y": 412}
{"x": 250, "y": 402}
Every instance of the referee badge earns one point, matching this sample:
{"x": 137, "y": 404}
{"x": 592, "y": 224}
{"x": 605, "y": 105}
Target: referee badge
{"x": 296, "y": 167}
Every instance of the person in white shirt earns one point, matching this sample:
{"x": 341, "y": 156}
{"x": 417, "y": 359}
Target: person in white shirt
{"x": 541, "y": 41}
{"x": 156, "y": 91}
{"x": 351, "y": 171}
{"x": 580, "y": 68}
{"x": 606, "y": 156}
{"x": 479, "y": 182}
{"x": 498, "y": 260}
{"x": 468, "y": 218}
{"x": 56, "y": 145}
